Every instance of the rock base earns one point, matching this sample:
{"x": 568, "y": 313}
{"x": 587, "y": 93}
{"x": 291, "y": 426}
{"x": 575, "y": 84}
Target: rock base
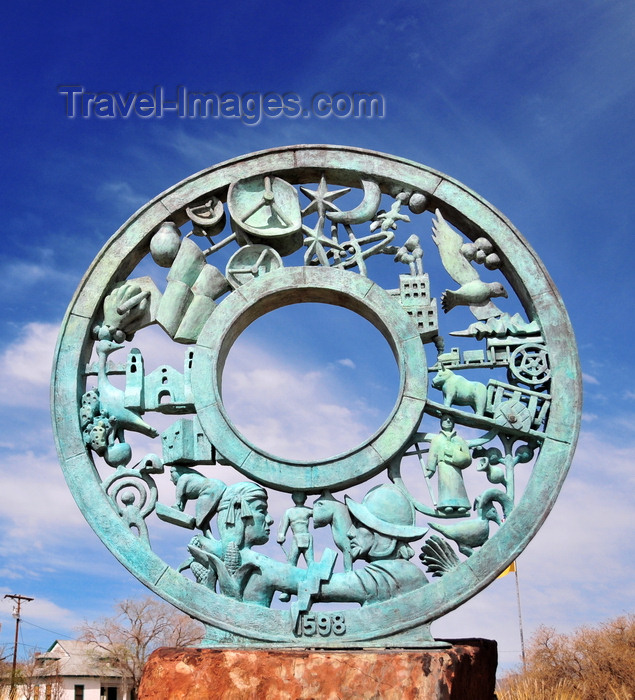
{"x": 465, "y": 671}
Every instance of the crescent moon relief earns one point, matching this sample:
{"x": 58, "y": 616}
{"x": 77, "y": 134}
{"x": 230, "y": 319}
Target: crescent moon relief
{"x": 486, "y": 415}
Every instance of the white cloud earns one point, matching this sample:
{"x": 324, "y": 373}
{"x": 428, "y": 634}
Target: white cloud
{"x": 347, "y": 362}
{"x": 38, "y": 511}
{"x": 625, "y": 423}
{"x": 19, "y": 277}
{"x": 585, "y": 545}
{"x": 124, "y": 194}
{"x": 40, "y": 611}
{"x": 292, "y": 413}
{"x": 194, "y": 145}
{"x": 590, "y": 379}
{"x": 25, "y": 366}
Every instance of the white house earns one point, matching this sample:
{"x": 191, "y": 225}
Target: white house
{"x": 74, "y": 670}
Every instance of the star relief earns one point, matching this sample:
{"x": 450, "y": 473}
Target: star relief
{"x": 322, "y": 199}
{"x": 316, "y": 243}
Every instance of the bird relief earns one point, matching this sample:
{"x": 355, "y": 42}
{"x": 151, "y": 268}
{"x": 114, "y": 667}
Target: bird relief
{"x": 456, "y": 257}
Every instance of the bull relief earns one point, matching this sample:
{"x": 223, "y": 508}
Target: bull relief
{"x": 445, "y": 495}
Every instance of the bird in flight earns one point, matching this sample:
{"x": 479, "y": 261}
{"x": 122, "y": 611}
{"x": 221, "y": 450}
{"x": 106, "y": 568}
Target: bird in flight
{"x": 473, "y": 292}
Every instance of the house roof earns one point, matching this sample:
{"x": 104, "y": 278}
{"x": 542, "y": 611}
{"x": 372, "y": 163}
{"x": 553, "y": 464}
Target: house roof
{"x": 71, "y": 657}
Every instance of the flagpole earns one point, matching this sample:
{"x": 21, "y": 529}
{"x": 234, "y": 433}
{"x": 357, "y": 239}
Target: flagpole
{"x": 520, "y": 618}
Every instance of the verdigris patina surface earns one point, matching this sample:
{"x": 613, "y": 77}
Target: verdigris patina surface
{"x": 456, "y": 481}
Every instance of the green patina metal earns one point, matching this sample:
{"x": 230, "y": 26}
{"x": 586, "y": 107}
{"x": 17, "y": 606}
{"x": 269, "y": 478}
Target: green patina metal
{"x": 506, "y": 397}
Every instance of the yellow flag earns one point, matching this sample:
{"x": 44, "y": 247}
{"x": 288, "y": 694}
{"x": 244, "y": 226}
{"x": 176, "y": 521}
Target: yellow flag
{"x": 509, "y": 570}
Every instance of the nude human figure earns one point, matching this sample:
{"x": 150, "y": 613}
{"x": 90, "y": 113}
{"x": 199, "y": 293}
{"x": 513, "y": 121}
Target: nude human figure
{"x": 297, "y": 519}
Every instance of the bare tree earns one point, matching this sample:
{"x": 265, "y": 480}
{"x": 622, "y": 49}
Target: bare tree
{"x": 5, "y": 672}
{"x": 29, "y": 675}
{"x": 33, "y": 674}
{"x": 28, "y": 678}
{"x": 593, "y": 663}
{"x": 138, "y": 627}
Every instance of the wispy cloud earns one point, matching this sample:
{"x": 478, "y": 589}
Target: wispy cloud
{"x": 22, "y": 277}
{"x": 40, "y": 513}
{"x": 25, "y": 366}
{"x": 124, "y": 194}
{"x": 590, "y": 379}
{"x": 291, "y": 413}
{"x": 347, "y": 362}
{"x": 42, "y": 611}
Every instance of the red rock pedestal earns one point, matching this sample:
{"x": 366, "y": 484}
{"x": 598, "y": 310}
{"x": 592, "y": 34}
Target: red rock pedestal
{"x": 466, "y": 671}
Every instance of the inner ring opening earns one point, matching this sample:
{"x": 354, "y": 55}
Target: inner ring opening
{"x": 309, "y": 380}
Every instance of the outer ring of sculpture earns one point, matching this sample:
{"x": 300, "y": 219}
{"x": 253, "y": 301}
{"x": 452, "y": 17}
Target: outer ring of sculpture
{"x": 460, "y": 206}
{"x": 296, "y": 285}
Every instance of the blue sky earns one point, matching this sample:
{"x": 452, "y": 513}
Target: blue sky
{"x": 529, "y": 104}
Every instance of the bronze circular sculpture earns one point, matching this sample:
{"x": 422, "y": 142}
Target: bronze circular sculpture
{"x": 246, "y": 215}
